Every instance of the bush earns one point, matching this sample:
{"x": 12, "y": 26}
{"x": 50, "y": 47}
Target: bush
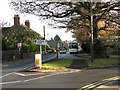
{"x": 48, "y": 47}
{"x": 100, "y": 51}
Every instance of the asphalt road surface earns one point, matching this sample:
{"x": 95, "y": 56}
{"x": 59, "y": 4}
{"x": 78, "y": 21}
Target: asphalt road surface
{"x": 14, "y": 77}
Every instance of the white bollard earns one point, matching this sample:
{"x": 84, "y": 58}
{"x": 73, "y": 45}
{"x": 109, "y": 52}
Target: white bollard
{"x": 38, "y": 60}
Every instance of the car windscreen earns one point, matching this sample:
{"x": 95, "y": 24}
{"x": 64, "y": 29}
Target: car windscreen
{"x": 73, "y": 45}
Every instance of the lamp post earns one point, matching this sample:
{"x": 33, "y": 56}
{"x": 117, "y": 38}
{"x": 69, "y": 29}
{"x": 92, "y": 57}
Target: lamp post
{"x": 44, "y": 37}
{"x": 91, "y": 27}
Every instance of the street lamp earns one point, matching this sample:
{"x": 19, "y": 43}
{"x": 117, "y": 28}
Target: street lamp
{"x": 91, "y": 27}
{"x": 44, "y": 38}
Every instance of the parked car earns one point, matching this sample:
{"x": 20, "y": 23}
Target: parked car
{"x": 62, "y": 51}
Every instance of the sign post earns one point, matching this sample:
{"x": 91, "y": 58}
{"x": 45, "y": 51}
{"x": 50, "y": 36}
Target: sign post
{"x": 19, "y": 47}
{"x": 38, "y": 57}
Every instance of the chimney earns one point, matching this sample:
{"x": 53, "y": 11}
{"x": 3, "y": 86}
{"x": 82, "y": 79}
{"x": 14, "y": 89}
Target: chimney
{"x": 16, "y": 19}
{"x": 27, "y": 23}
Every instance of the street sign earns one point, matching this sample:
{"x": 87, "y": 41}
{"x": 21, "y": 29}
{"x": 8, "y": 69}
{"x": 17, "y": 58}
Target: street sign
{"x": 19, "y": 45}
{"x": 40, "y": 42}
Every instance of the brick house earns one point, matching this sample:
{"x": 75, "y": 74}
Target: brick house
{"x": 8, "y": 31}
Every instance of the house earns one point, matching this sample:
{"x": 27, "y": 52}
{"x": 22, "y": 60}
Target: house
{"x": 61, "y": 44}
{"x": 8, "y": 31}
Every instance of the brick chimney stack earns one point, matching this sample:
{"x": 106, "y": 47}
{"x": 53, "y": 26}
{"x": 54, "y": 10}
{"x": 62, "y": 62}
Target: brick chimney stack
{"x": 16, "y": 19}
{"x": 27, "y": 23}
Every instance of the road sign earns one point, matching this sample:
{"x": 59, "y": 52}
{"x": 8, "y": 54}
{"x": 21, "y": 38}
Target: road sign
{"x": 19, "y": 45}
{"x": 40, "y": 42}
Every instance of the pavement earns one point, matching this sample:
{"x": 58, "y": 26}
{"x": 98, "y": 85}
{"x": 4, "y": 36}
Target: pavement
{"x": 8, "y": 62}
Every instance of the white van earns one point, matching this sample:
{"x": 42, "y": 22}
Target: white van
{"x": 79, "y": 49}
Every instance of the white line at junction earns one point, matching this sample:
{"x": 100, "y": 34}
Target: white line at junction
{"x": 11, "y": 82}
{"x": 28, "y": 74}
{"x": 7, "y": 74}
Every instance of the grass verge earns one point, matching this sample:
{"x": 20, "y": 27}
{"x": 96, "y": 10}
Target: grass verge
{"x": 115, "y": 56}
{"x": 85, "y": 54}
{"x": 58, "y": 64}
{"x": 103, "y": 62}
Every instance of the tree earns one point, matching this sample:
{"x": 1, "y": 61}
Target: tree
{"x": 75, "y": 16}
{"x": 5, "y": 24}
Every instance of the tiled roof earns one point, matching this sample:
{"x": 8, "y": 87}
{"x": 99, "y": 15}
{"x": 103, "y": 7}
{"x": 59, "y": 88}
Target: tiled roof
{"x": 8, "y": 31}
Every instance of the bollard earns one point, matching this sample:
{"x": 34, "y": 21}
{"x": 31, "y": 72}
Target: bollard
{"x": 13, "y": 57}
{"x": 38, "y": 60}
{"x": 57, "y": 54}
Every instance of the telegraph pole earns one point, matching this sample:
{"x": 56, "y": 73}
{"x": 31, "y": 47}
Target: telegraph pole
{"x": 44, "y": 37}
{"x": 91, "y": 27}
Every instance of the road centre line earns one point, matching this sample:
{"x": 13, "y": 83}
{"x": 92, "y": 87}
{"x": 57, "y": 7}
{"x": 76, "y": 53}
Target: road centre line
{"x": 7, "y": 74}
{"x": 93, "y": 85}
{"x": 51, "y": 75}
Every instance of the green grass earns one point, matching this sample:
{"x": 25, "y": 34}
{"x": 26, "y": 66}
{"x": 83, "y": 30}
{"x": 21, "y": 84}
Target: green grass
{"x": 85, "y": 54}
{"x": 58, "y": 64}
{"x": 102, "y": 62}
{"x": 114, "y": 55}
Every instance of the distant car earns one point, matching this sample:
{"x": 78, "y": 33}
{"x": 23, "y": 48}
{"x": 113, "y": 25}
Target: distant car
{"x": 49, "y": 51}
{"x": 79, "y": 49}
{"x": 62, "y": 51}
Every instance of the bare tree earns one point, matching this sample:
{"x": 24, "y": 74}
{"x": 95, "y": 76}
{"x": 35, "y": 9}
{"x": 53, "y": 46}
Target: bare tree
{"x": 74, "y": 16}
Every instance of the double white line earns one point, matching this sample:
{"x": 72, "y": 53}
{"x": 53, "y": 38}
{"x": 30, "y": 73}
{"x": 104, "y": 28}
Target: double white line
{"x": 96, "y": 84}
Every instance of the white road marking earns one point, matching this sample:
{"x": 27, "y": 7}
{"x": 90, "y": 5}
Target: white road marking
{"x": 7, "y": 74}
{"x": 90, "y": 86}
{"x": 51, "y": 75}
{"x": 20, "y": 74}
{"x": 40, "y": 77}
{"x": 35, "y": 78}
{"x": 10, "y": 82}
{"x": 28, "y": 74}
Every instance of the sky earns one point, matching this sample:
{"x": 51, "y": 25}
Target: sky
{"x": 7, "y": 15}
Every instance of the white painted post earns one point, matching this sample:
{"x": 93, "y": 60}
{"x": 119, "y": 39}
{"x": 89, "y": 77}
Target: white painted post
{"x": 38, "y": 60}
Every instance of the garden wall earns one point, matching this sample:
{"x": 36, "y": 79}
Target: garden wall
{"x": 8, "y": 54}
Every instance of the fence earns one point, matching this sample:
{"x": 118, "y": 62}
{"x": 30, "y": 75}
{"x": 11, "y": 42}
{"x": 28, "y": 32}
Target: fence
{"x": 8, "y": 54}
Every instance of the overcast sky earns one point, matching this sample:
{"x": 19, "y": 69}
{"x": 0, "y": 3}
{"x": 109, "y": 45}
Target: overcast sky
{"x": 6, "y": 15}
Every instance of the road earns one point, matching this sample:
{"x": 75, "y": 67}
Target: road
{"x": 76, "y": 78}
{"x": 23, "y": 64}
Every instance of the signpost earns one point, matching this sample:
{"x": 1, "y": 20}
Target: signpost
{"x": 40, "y": 42}
{"x": 19, "y": 47}
{"x": 38, "y": 57}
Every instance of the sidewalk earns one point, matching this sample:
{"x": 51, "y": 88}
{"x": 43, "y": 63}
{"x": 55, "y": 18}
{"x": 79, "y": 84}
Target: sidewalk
{"x": 6, "y": 62}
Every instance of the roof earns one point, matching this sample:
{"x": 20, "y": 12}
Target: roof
{"x": 8, "y": 31}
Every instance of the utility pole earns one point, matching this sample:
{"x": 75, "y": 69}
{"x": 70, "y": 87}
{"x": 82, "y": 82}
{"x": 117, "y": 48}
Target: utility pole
{"x": 44, "y": 37}
{"x": 91, "y": 27}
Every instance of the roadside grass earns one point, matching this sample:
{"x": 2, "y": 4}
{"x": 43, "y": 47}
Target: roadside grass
{"x": 115, "y": 56}
{"x": 103, "y": 62}
{"x": 85, "y": 54}
{"x": 58, "y": 64}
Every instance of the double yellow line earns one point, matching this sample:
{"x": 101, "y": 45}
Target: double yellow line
{"x": 96, "y": 84}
